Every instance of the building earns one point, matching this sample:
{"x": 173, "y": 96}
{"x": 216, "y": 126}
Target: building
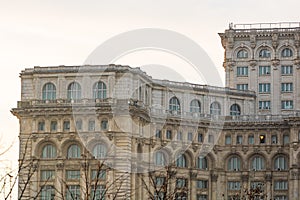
{"x": 218, "y": 143}
{"x": 264, "y": 58}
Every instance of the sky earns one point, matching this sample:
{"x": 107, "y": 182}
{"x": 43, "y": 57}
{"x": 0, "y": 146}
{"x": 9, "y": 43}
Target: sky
{"x": 65, "y": 32}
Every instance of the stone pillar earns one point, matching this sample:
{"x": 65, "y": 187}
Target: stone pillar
{"x": 268, "y": 188}
{"x": 214, "y": 189}
{"x": 59, "y": 184}
{"x": 294, "y": 186}
{"x": 275, "y": 87}
{"x": 193, "y": 185}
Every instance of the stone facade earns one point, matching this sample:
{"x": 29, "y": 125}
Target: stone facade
{"x": 267, "y": 61}
{"x": 216, "y": 141}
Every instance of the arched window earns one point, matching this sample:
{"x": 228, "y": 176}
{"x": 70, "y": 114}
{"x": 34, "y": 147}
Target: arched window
{"x": 258, "y": 163}
{"x": 280, "y": 163}
{"x": 99, "y": 151}
{"x": 74, "y": 151}
{"x": 264, "y": 53}
{"x": 215, "y": 108}
{"x": 181, "y": 161}
{"x": 174, "y": 104}
{"x": 99, "y": 90}
{"x": 235, "y": 109}
{"x": 160, "y": 159}
{"x": 195, "y": 106}
{"x": 287, "y": 52}
{"x": 49, "y": 151}
{"x": 242, "y": 54}
{"x": 234, "y": 163}
{"x": 74, "y": 91}
{"x": 202, "y": 163}
{"x": 49, "y": 92}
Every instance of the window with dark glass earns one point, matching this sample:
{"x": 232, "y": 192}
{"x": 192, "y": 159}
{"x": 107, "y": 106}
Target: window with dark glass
{"x": 169, "y": 134}
{"x": 200, "y": 137}
{"x": 49, "y": 151}
{"x": 99, "y": 90}
{"x": 99, "y": 151}
{"x": 79, "y": 124}
{"x": 91, "y": 125}
{"x": 104, "y": 124}
{"x": 174, "y": 104}
{"x": 53, "y": 126}
{"x": 41, "y": 126}
{"x": 190, "y": 136}
{"x": 195, "y": 106}
{"x": 215, "y": 108}
{"x": 242, "y": 54}
{"x": 264, "y": 53}
{"x": 74, "y": 91}
{"x": 179, "y": 136}
{"x": 235, "y": 110}
{"x": 287, "y": 52}
{"x": 49, "y": 92}
{"x": 66, "y": 125}
{"x": 74, "y": 151}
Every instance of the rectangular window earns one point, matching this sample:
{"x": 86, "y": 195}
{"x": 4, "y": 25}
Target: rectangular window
{"x": 227, "y": 139}
{"x": 242, "y": 86}
{"x": 286, "y": 87}
{"x": 202, "y": 184}
{"x": 158, "y": 134}
{"x": 66, "y": 125}
{"x": 242, "y": 71}
{"x": 286, "y": 105}
{"x": 280, "y": 185}
{"x": 98, "y": 193}
{"x": 234, "y": 185}
{"x": 53, "y": 125}
{"x": 210, "y": 138}
{"x": 280, "y": 197}
{"x": 264, "y": 88}
{"x": 274, "y": 139}
{"x": 169, "y": 134}
{"x": 286, "y": 139}
{"x": 256, "y": 185}
{"x": 262, "y": 139}
{"x": 264, "y": 105}
{"x": 264, "y": 70}
{"x": 202, "y": 197}
{"x": 104, "y": 124}
{"x": 41, "y": 126}
{"x": 287, "y": 70}
{"x": 179, "y": 136}
{"x": 79, "y": 125}
{"x": 101, "y": 174}
{"x": 190, "y": 136}
{"x": 91, "y": 125}
{"x": 181, "y": 182}
{"x": 73, "y": 174}
{"x": 200, "y": 137}
{"x": 250, "y": 139}
{"x": 73, "y": 192}
{"x": 47, "y": 192}
{"x": 239, "y": 139}
{"x": 47, "y": 175}
{"x": 159, "y": 181}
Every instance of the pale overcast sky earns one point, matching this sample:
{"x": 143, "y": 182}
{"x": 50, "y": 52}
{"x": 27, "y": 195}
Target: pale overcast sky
{"x": 65, "y": 32}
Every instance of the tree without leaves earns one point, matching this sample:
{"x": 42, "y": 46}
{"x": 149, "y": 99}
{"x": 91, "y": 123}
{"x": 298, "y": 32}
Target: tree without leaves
{"x": 162, "y": 184}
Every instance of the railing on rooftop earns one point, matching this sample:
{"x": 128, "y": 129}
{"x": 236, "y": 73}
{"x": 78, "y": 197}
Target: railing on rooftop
{"x": 201, "y": 87}
{"x": 280, "y": 25}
